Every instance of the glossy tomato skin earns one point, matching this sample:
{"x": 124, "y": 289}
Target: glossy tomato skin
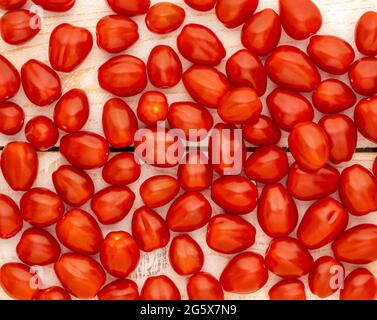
{"x": 69, "y": 46}
{"x": 152, "y": 107}
{"x": 12, "y": 118}
{"x": 375, "y": 167}
{"x": 122, "y": 169}
{"x": 41, "y": 84}
{"x": 363, "y": 76}
{"x": 19, "y": 26}
{"x": 366, "y": 34}
{"x": 309, "y": 185}
{"x": 116, "y": 33}
{"x": 330, "y": 53}
{"x": 72, "y": 111}
{"x": 123, "y": 76}
{"x": 360, "y": 284}
{"x": 204, "y": 286}
{"x": 80, "y": 275}
{"x": 11, "y": 4}
{"x": 300, "y": 18}
{"x": 85, "y": 150}
{"x": 365, "y": 115}
{"x": 164, "y": 67}
{"x": 121, "y": 289}
{"x": 358, "y": 190}
{"x": 130, "y": 8}
{"x": 42, "y": 133}
{"x": 10, "y": 217}
{"x": 112, "y": 204}
{"x": 159, "y": 288}
{"x": 53, "y": 293}
{"x": 233, "y": 14}
{"x": 119, "y": 123}
{"x": 201, "y": 5}
{"x": 230, "y": 234}
{"x": 56, "y": 5}
{"x": 288, "y": 258}
{"x": 205, "y": 85}
{"x": 74, "y": 186}
{"x": 9, "y": 79}
{"x": 79, "y": 232}
{"x": 322, "y": 223}
{"x": 22, "y": 176}
{"x": 149, "y": 230}
{"x": 342, "y": 134}
{"x": 38, "y": 247}
{"x": 261, "y": 133}
{"x": 245, "y": 69}
{"x": 292, "y": 69}
{"x": 357, "y": 245}
{"x": 245, "y": 273}
{"x": 235, "y": 194}
{"x": 267, "y": 165}
{"x": 288, "y": 290}
{"x": 322, "y": 276}
{"x": 119, "y": 254}
{"x": 200, "y": 45}
{"x": 41, "y": 207}
{"x": 186, "y": 256}
{"x": 277, "y": 211}
{"x": 289, "y": 108}
{"x": 189, "y": 212}
{"x": 309, "y": 145}
{"x": 164, "y": 17}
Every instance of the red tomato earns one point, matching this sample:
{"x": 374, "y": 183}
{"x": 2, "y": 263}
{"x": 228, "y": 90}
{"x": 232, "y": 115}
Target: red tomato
{"x": 375, "y": 167}
{"x": 261, "y": 32}
{"x": 366, "y": 34}
{"x": 159, "y": 288}
{"x": 10, "y": 218}
{"x": 277, "y": 211}
{"x": 119, "y": 254}
{"x": 322, "y": 223}
{"x": 9, "y": 79}
{"x": 245, "y": 69}
{"x": 11, "y": 118}
{"x": 288, "y": 290}
{"x": 201, "y": 5}
{"x": 288, "y": 258}
{"x": 130, "y": 8}
{"x": 80, "y": 275}
{"x": 230, "y": 234}
{"x": 232, "y": 14}
{"x": 11, "y": 4}
{"x": 122, "y": 169}
{"x": 235, "y": 194}
{"x": 52, "y": 293}
{"x": 365, "y": 116}
{"x": 149, "y": 230}
{"x": 19, "y": 165}
{"x": 200, "y": 45}
{"x": 164, "y": 17}
{"x": 289, "y": 108}
{"x": 309, "y": 145}
{"x": 121, "y": 289}
{"x": 244, "y": 273}
{"x": 360, "y": 284}
{"x": 123, "y": 76}
{"x": 164, "y": 67}
{"x": 152, "y": 107}
{"x": 79, "y": 232}
{"x": 189, "y": 212}
{"x": 55, "y": 5}
{"x": 38, "y": 247}
{"x": 85, "y": 150}
{"x": 112, "y": 204}
{"x": 19, "y": 26}
{"x": 330, "y": 53}
{"x": 72, "y": 110}
{"x": 363, "y": 76}
{"x": 74, "y": 186}
{"x": 204, "y": 286}
{"x": 116, "y": 33}
{"x": 342, "y": 134}
{"x": 267, "y": 165}
{"x": 41, "y": 132}
{"x": 263, "y": 132}
{"x": 300, "y": 18}
{"x": 357, "y": 245}
{"x": 41, "y": 84}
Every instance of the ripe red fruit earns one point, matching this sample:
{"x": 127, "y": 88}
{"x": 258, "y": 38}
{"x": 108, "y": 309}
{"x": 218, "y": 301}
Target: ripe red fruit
{"x": 122, "y": 169}
{"x": 159, "y": 288}
{"x": 152, "y": 107}
{"x": 10, "y": 218}
{"x": 201, "y": 5}
{"x": 366, "y": 34}
{"x": 288, "y": 290}
{"x": 375, "y": 167}
{"x": 200, "y": 45}
{"x": 11, "y": 4}
{"x": 365, "y": 116}
{"x": 20, "y": 177}
{"x": 363, "y": 76}
{"x": 9, "y": 79}
{"x": 204, "y": 286}
{"x": 41, "y": 132}
{"x": 121, "y": 289}
{"x": 230, "y": 234}
{"x": 164, "y": 17}
{"x": 261, "y": 133}
{"x": 116, "y": 33}
{"x": 233, "y": 14}
{"x": 55, "y": 5}
{"x": 360, "y": 284}
{"x": 52, "y": 293}
{"x": 245, "y": 273}
{"x": 11, "y": 118}
{"x": 130, "y": 8}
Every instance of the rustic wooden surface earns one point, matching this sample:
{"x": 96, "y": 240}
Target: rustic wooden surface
{"x": 339, "y": 19}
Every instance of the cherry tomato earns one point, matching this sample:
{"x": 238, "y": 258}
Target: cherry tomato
{"x": 201, "y": 5}
{"x": 263, "y": 132}
{"x": 366, "y": 34}
{"x": 360, "y": 284}
{"x": 233, "y": 14}
{"x": 11, "y": 4}
{"x": 10, "y": 217}
{"x": 130, "y": 8}
{"x": 363, "y": 76}
{"x": 164, "y": 17}
{"x": 11, "y": 118}
{"x": 41, "y": 132}
{"x": 121, "y": 289}
{"x": 9, "y": 79}
{"x": 365, "y": 116}
{"x": 55, "y": 5}
{"x": 122, "y": 169}
{"x": 52, "y": 293}
{"x": 204, "y": 286}
{"x": 152, "y": 107}
{"x": 159, "y": 288}
{"x": 288, "y": 290}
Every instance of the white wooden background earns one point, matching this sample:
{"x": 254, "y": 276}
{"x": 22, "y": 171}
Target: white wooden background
{"x": 339, "y": 18}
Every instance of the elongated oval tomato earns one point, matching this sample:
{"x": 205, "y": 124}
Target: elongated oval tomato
{"x": 366, "y": 33}
{"x": 19, "y": 165}
{"x": 363, "y": 76}
{"x": 230, "y": 234}
{"x": 9, "y": 79}
{"x": 159, "y": 288}
{"x": 122, "y": 169}
{"x": 261, "y": 33}
{"x": 10, "y": 218}
{"x": 204, "y": 286}
{"x": 42, "y": 133}
{"x": 121, "y": 289}
{"x": 277, "y": 211}
{"x": 365, "y": 116}
{"x": 360, "y": 284}
{"x": 288, "y": 290}
{"x": 11, "y": 4}
{"x": 130, "y": 8}
{"x": 12, "y": 118}
{"x": 164, "y": 17}
{"x": 152, "y": 107}
{"x": 55, "y": 5}
{"x": 261, "y": 133}
{"x": 201, "y": 5}
{"x": 322, "y": 223}
{"x": 52, "y": 293}
{"x": 200, "y": 45}
{"x": 232, "y": 14}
